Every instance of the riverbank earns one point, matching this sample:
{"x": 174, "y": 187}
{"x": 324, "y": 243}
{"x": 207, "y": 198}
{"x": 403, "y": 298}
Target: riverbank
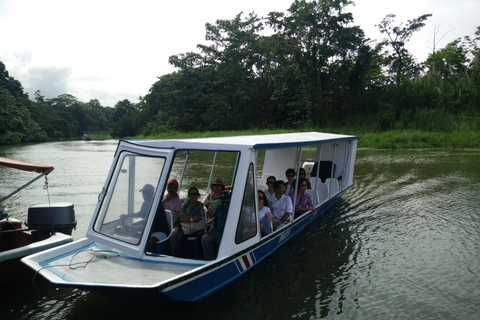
{"x": 417, "y": 139}
{"x": 394, "y": 139}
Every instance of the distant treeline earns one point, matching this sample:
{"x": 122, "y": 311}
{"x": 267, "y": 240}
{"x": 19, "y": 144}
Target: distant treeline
{"x": 309, "y": 66}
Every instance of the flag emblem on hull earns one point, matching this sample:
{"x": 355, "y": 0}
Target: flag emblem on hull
{"x": 244, "y": 262}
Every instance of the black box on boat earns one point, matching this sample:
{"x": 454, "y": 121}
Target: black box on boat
{"x": 52, "y": 217}
{"x": 325, "y": 170}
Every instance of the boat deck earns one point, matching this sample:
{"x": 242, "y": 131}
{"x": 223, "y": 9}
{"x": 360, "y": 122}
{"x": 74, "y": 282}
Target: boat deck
{"x": 98, "y": 266}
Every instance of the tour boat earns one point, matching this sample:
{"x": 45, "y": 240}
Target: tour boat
{"x": 49, "y": 225}
{"x": 121, "y": 264}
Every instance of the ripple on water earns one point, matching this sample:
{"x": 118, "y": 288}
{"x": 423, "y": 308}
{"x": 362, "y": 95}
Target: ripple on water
{"x": 415, "y": 244}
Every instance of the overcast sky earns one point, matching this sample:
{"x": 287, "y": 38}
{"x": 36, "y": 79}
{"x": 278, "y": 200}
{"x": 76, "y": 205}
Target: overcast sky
{"x": 115, "y": 50}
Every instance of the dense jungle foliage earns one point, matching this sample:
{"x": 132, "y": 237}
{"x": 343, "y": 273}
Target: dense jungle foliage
{"x": 308, "y": 67}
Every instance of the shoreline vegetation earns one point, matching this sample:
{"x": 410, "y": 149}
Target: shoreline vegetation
{"x": 393, "y": 139}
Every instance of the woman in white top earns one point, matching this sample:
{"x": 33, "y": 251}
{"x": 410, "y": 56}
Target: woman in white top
{"x": 264, "y": 217}
{"x": 264, "y": 214}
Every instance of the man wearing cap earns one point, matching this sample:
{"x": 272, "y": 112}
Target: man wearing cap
{"x": 173, "y": 202}
{"x": 147, "y": 193}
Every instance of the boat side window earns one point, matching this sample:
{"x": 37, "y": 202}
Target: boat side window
{"x": 247, "y": 222}
{"x": 129, "y": 197}
{"x": 205, "y": 170}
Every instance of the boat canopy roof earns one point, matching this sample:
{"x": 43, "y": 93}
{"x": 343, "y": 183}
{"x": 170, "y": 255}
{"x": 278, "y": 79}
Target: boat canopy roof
{"x": 267, "y": 141}
{"x": 25, "y": 166}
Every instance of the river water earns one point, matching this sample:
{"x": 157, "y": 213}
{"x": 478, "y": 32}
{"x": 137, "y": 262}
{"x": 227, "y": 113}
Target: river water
{"x": 403, "y": 243}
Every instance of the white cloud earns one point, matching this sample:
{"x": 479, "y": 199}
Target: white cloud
{"x": 113, "y": 50}
{"x": 51, "y": 81}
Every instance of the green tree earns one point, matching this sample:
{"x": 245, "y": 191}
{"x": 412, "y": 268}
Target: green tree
{"x": 402, "y": 62}
{"x": 449, "y": 61}
{"x": 100, "y": 117}
{"x": 234, "y": 55}
{"x": 127, "y": 120}
{"x": 11, "y": 84}
{"x": 16, "y": 123}
{"x": 218, "y": 88}
{"x": 316, "y": 49}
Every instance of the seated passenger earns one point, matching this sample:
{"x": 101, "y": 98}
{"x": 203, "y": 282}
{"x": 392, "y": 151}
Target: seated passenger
{"x": 290, "y": 174}
{"x": 264, "y": 214}
{"x": 160, "y": 229}
{"x": 304, "y": 201}
{"x": 269, "y": 192}
{"x": 249, "y": 223}
{"x": 173, "y": 202}
{"x": 281, "y": 206}
{"x": 212, "y": 200}
{"x": 131, "y": 228}
{"x": 214, "y": 234}
{"x": 147, "y": 193}
{"x": 192, "y": 220}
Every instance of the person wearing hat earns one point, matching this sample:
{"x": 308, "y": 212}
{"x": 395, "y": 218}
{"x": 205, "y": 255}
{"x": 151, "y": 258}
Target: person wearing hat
{"x": 147, "y": 193}
{"x": 212, "y": 200}
{"x": 173, "y": 202}
{"x": 214, "y": 234}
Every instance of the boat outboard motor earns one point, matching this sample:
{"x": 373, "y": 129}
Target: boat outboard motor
{"x": 51, "y": 218}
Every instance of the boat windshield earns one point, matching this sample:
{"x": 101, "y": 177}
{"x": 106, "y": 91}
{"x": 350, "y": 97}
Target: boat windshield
{"x": 129, "y": 198}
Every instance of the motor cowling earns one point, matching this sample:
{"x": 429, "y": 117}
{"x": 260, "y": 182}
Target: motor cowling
{"x": 54, "y": 217}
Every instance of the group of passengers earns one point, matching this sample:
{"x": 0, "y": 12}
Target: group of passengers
{"x": 191, "y": 218}
{"x": 281, "y": 195}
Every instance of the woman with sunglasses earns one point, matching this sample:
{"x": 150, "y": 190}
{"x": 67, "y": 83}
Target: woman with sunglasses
{"x": 191, "y": 212}
{"x": 249, "y": 223}
{"x": 264, "y": 214}
{"x": 304, "y": 201}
